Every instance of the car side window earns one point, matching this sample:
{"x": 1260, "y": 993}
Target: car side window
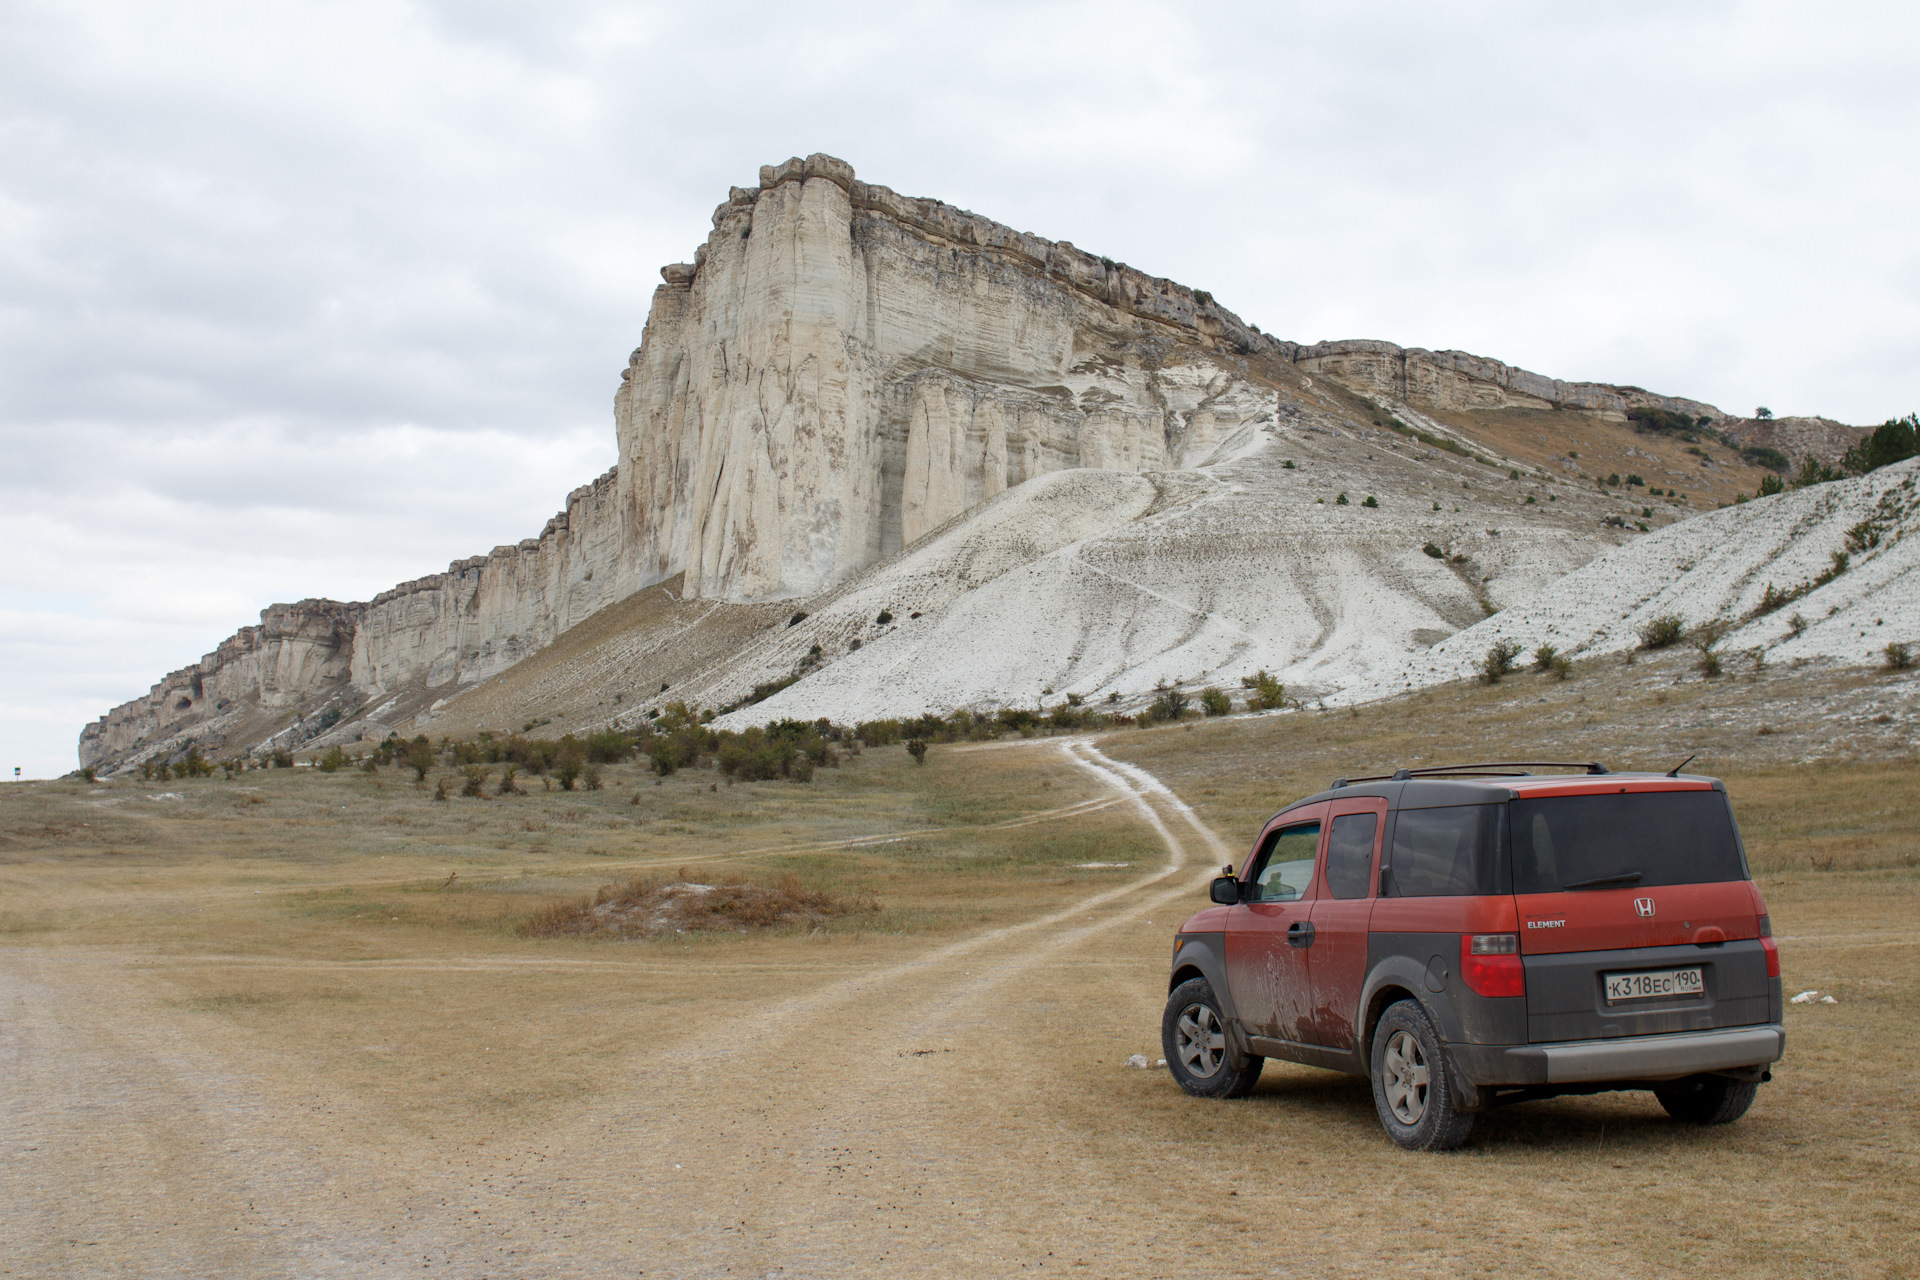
{"x": 1285, "y": 866}
{"x": 1443, "y": 853}
{"x": 1350, "y": 854}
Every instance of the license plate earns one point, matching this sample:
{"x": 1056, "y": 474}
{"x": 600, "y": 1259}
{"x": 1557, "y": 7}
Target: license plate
{"x": 1652, "y": 986}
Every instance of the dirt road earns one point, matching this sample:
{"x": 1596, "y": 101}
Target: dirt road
{"x": 957, "y": 1107}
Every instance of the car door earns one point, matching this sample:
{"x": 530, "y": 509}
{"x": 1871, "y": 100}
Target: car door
{"x": 1339, "y": 915}
{"x": 1268, "y": 931}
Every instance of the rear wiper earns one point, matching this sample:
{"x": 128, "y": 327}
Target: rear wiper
{"x": 1625, "y": 877}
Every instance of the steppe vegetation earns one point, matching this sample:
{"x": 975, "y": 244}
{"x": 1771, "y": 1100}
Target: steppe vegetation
{"x": 296, "y": 1014}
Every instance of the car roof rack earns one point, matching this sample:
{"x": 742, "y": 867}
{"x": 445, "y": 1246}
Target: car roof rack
{"x": 1496, "y": 769}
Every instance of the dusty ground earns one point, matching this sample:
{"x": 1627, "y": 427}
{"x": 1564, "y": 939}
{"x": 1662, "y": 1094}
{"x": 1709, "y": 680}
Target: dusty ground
{"x": 283, "y": 1025}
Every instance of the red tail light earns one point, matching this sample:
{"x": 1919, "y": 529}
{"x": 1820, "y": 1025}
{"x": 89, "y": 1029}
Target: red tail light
{"x": 1771, "y": 947}
{"x": 1491, "y": 965}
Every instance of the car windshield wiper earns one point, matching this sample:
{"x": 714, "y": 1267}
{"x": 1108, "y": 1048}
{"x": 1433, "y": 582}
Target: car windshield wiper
{"x": 1598, "y": 882}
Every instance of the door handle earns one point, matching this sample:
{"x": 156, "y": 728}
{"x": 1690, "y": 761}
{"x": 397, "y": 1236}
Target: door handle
{"x": 1300, "y": 933}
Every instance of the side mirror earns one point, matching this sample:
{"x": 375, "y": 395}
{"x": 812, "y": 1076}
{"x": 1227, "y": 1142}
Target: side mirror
{"x": 1226, "y": 890}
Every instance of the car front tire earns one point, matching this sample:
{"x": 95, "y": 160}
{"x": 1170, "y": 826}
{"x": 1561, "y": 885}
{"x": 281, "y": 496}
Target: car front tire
{"x": 1413, "y": 1089}
{"x": 1193, "y": 1036}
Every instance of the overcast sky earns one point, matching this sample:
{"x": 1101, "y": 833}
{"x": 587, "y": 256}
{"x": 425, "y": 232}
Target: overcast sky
{"x": 306, "y": 300}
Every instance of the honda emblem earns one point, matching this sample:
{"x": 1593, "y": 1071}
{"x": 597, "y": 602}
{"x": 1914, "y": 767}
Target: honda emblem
{"x": 1643, "y": 905}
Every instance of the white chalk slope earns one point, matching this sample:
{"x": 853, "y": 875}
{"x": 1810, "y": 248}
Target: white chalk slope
{"x": 1096, "y": 583}
{"x": 1718, "y": 566}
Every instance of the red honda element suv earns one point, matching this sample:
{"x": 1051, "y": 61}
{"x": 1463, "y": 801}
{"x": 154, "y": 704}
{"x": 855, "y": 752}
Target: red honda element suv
{"x": 1479, "y": 934}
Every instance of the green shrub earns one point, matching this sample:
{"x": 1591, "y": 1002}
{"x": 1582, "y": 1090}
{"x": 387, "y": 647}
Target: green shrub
{"x": 332, "y": 760}
{"x": 1371, "y": 501}
{"x": 1663, "y": 632}
{"x": 1661, "y": 422}
{"x": 1899, "y": 656}
{"x": 1214, "y": 701}
{"x": 1543, "y": 658}
{"x": 886, "y": 616}
{"x": 1341, "y": 500}
{"x": 917, "y": 748}
{"x": 1895, "y": 440}
{"x": 1268, "y": 694}
{"x": 1813, "y": 471}
{"x": 419, "y": 758}
{"x": 761, "y": 692}
{"x": 609, "y": 746}
{"x": 1864, "y": 536}
{"x": 1771, "y": 484}
{"x": 1499, "y": 660}
{"x": 1773, "y": 599}
{"x": 1430, "y": 548}
{"x": 569, "y": 763}
{"x": 1169, "y": 704}
{"x": 475, "y": 786}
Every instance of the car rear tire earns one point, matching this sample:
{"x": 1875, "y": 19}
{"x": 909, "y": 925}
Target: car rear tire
{"x": 1193, "y": 1035}
{"x": 1413, "y": 1089}
{"x": 1707, "y": 1099}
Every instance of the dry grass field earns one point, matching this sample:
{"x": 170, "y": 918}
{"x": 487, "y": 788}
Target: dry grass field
{"x": 287, "y": 1025}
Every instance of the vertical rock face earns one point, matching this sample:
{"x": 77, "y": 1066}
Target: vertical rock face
{"x": 842, "y": 369}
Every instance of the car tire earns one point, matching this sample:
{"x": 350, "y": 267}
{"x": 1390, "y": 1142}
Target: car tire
{"x": 1707, "y": 1099}
{"x": 1193, "y": 1036}
{"x": 1413, "y": 1088}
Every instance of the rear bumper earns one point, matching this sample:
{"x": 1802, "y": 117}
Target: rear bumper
{"x": 1666, "y": 1057}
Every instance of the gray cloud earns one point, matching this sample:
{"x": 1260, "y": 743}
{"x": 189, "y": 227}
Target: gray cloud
{"x": 309, "y": 299}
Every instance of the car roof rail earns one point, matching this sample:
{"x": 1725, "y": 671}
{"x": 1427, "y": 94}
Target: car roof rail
{"x": 1495, "y": 769}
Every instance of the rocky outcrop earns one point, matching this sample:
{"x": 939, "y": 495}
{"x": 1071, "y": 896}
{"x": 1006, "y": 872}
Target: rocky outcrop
{"x": 1795, "y": 438}
{"x": 299, "y": 651}
{"x": 449, "y": 629}
{"x": 1457, "y": 380}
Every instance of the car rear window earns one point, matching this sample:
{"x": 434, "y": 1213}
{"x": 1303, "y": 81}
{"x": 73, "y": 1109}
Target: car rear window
{"x": 1643, "y": 839}
{"x": 1448, "y": 852}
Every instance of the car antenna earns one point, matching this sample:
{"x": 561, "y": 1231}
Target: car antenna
{"x": 1675, "y": 771}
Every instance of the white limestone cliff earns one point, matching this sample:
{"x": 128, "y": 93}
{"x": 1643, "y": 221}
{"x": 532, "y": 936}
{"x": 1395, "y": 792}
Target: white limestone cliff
{"x": 839, "y": 371}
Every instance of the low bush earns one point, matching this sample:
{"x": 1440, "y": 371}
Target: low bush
{"x": 918, "y": 750}
{"x": 1663, "y": 632}
{"x": 1267, "y": 693}
{"x": 1215, "y": 701}
{"x": 1499, "y": 660}
{"x": 332, "y": 760}
{"x": 1898, "y": 656}
{"x": 475, "y": 786}
{"x": 1433, "y": 550}
{"x": 1705, "y": 639}
{"x": 1543, "y": 658}
{"x": 1169, "y": 704}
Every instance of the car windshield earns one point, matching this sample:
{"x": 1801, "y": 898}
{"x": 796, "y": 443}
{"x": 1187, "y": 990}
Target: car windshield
{"x": 1633, "y": 839}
